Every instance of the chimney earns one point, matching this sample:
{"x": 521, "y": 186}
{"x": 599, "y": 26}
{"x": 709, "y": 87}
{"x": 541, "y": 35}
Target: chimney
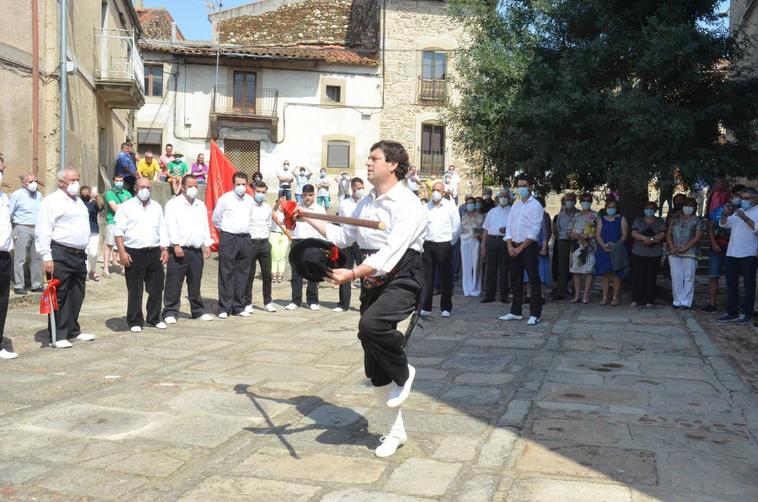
{"x": 173, "y": 31}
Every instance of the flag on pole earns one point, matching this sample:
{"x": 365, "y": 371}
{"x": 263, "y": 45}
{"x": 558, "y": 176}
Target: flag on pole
{"x": 220, "y": 172}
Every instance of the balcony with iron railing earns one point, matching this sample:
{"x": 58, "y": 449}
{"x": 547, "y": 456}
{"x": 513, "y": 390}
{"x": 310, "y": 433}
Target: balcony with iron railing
{"x": 119, "y": 72}
{"x": 242, "y": 106}
{"x": 432, "y": 91}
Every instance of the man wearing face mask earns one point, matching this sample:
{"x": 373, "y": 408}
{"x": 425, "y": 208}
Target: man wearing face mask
{"x": 322, "y": 185}
{"x": 563, "y": 244}
{"x": 143, "y": 246}
{"x": 494, "y": 250}
{"x": 24, "y": 206}
{"x": 189, "y": 238}
{"x": 232, "y": 217}
{"x": 113, "y": 198}
{"x": 352, "y": 253}
{"x": 443, "y": 228}
{"x": 260, "y": 229}
{"x": 343, "y": 185}
{"x": 487, "y": 202}
{"x": 6, "y": 245}
{"x": 61, "y": 236}
{"x": 286, "y": 178}
{"x": 521, "y": 234}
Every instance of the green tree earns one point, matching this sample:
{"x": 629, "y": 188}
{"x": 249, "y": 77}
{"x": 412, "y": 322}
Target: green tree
{"x": 579, "y": 93}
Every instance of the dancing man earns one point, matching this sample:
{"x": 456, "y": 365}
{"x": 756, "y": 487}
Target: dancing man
{"x": 392, "y": 279}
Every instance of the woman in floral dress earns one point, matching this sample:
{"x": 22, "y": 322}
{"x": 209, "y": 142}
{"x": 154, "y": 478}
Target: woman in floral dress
{"x": 582, "y": 235}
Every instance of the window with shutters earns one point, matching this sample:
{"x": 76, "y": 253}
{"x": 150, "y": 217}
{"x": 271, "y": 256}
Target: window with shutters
{"x": 154, "y": 80}
{"x": 338, "y": 154}
{"x": 432, "y": 149}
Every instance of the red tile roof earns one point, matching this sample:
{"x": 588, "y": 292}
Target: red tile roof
{"x": 156, "y": 24}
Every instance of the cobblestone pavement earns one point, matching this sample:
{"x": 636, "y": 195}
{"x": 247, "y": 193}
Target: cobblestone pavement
{"x": 595, "y": 403}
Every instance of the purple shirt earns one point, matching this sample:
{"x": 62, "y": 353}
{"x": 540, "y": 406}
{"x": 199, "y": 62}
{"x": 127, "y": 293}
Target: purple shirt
{"x": 199, "y": 170}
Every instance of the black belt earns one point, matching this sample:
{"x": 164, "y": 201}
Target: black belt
{"x": 185, "y": 248}
{"x": 259, "y": 240}
{"x": 498, "y": 237}
{"x": 244, "y": 234}
{"x": 23, "y": 225}
{"x": 151, "y": 248}
{"x": 69, "y": 249}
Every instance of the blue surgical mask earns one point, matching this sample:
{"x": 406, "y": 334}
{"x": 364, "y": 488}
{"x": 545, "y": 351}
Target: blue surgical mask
{"x": 746, "y": 204}
{"x": 523, "y": 192}
{"x": 688, "y": 210}
{"x": 649, "y": 212}
{"x": 586, "y": 204}
{"x": 478, "y": 205}
{"x": 260, "y": 198}
{"x": 118, "y": 185}
{"x": 736, "y": 201}
{"x": 611, "y": 211}
{"x": 570, "y": 204}
{"x": 470, "y": 207}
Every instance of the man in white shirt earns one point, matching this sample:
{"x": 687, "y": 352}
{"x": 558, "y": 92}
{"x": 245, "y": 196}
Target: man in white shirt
{"x": 260, "y": 248}
{"x": 142, "y": 245}
{"x": 302, "y": 178}
{"x": 304, "y": 230}
{"x": 61, "y": 236}
{"x": 494, "y": 250}
{"x": 741, "y": 257}
{"x": 232, "y": 217}
{"x": 286, "y": 177}
{"x": 189, "y": 239}
{"x": 521, "y": 232}
{"x": 392, "y": 280}
{"x": 443, "y": 224}
{"x": 24, "y": 207}
{"x": 352, "y": 253}
{"x": 6, "y": 245}
{"x": 412, "y": 180}
{"x": 453, "y": 181}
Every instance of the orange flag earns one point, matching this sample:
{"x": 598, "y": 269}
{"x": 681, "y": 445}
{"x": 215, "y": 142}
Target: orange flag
{"x": 220, "y": 172}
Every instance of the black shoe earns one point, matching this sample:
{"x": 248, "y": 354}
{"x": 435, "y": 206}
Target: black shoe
{"x": 487, "y": 300}
{"x": 38, "y": 290}
{"x": 708, "y": 308}
{"x": 558, "y": 297}
{"x": 675, "y": 307}
{"x": 19, "y": 291}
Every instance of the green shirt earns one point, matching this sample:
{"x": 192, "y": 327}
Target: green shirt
{"x": 117, "y": 196}
{"x": 177, "y": 168}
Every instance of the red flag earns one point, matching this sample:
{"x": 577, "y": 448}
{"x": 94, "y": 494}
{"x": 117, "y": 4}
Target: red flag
{"x": 220, "y": 172}
{"x": 49, "y": 297}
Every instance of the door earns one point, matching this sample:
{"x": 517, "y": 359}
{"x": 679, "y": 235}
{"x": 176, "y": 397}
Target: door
{"x": 432, "y": 149}
{"x": 244, "y": 92}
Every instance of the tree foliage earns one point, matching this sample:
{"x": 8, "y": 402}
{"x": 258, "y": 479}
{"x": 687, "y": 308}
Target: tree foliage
{"x": 578, "y": 93}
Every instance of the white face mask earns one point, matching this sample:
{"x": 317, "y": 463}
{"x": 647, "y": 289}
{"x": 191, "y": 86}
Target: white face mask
{"x": 436, "y": 196}
{"x": 144, "y": 194}
{"x": 1, "y": 176}
{"x": 32, "y": 187}
{"x": 240, "y": 190}
{"x": 192, "y": 192}
{"x": 358, "y": 193}
{"x": 323, "y": 175}
{"x": 73, "y": 188}
{"x": 503, "y": 201}
{"x": 688, "y": 210}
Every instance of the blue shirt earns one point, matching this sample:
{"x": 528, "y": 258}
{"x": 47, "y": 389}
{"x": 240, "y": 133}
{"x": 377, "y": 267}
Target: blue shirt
{"x": 24, "y": 206}
{"x": 125, "y": 165}
{"x": 93, "y": 210}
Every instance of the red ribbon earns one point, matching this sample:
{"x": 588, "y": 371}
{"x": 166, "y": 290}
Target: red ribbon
{"x": 334, "y": 253}
{"x": 49, "y": 297}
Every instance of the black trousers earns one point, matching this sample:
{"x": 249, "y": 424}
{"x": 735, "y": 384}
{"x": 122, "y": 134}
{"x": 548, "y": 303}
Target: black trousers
{"x": 144, "y": 274}
{"x": 311, "y": 291}
{"x": 260, "y": 251}
{"x": 189, "y": 266}
{"x": 5, "y": 287}
{"x": 352, "y": 254}
{"x": 233, "y": 271}
{"x": 436, "y": 258}
{"x": 562, "y": 253}
{"x": 496, "y": 275}
{"x": 527, "y": 260}
{"x": 382, "y": 308}
{"x": 644, "y": 275}
{"x": 69, "y": 267}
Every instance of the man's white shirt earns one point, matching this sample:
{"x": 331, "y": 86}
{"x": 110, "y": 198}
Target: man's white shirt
{"x": 260, "y": 221}
{"x": 496, "y": 218}
{"x": 63, "y": 219}
{"x": 6, "y": 229}
{"x": 305, "y": 230}
{"x": 141, "y": 225}
{"x": 187, "y": 223}
{"x": 443, "y": 222}
{"x": 525, "y": 220}
{"x": 347, "y": 206}
{"x": 743, "y": 242}
{"x": 232, "y": 213}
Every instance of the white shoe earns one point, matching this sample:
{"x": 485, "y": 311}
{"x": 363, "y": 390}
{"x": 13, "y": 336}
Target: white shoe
{"x": 425, "y": 313}
{"x": 84, "y": 337}
{"x": 160, "y": 325}
{"x": 291, "y": 306}
{"x": 170, "y": 320}
{"x": 398, "y": 394}
{"x": 445, "y": 313}
{"x": 510, "y": 317}
{"x": 223, "y": 315}
{"x": 62, "y": 344}
{"x": 249, "y": 308}
{"x": 4, "y": 354}
{"x": 204, "y": 317}
{"x": 269, "y": 307}
{"x": 245, "y": 313}
{"x": 314, "y": 307}
{"x": 389, "y": 445}
{"x": 533, "y": 320}
{"x": 135, "y": 329}
{"x": 338, "y": 309}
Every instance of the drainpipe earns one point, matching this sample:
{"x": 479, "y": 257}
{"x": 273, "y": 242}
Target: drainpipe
{"x": 35, "y": 87}
{"x": 64, "y": 81}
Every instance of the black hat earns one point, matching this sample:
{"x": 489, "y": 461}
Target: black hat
{"x": 311, "y": 258}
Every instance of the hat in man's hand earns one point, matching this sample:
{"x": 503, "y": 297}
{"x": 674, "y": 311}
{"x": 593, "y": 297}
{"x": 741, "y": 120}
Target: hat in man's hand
{"x": 177, "y": 155}
{"x": 312, "y": 258}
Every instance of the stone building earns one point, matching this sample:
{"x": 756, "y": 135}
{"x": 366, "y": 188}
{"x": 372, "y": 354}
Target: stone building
{"x": 104, "y": 83}
{"x": 743, "y": 18}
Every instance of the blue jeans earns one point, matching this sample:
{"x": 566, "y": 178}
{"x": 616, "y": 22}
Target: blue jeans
{"x": 736, "y": 267}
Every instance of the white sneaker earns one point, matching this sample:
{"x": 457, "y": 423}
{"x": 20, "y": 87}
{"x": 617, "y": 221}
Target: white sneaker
{"x": 62, "y": 344}
{"x": 291, "y": 306}
{"x": 170, "y": 320}
{"x": 533, "y": 320}
{"x": 398, "y": 394}
{"x": 204, "y": 317}
{"x": 135, "y": 329}
{"x": 314, "y": 307}
{"x": 445, "y": 313}
{"x": 161, "y": 325}
{"x": 425, "y": 313}
{"x": 269, "y": 307}
{"x": 510, "y": 317}
{"x": 249, "y": 308}
{"x": 338, "y": 309}
{"x": 389, "y": 445}
{"x": 4, "y": 354}
{"x": 245, "y": 313}
{"x": 223, "y": 315}
{"x": 84, "y": 337}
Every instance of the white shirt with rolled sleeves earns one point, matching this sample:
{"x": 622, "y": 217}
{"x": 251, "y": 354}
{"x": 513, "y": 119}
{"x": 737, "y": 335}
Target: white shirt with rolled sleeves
{"x": 187, "y": 223}
{"x": 443, "y": 222}
{"x": 232, "y": 213}
{"x": 6, "y": 229}
{"x": 524, "y": 221}
{"x": 347, "y": 206}
{"x": 63, "y": 219}
{"x": 305, "y": 230}
{"x": 743, "y": 242}
{"x": 406, "y": 228}
{"x": 496, "y": 218}
{"x": 455, "y": 180}
{"x": 141, "y": 225}
{"x": 260, "y": 221}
